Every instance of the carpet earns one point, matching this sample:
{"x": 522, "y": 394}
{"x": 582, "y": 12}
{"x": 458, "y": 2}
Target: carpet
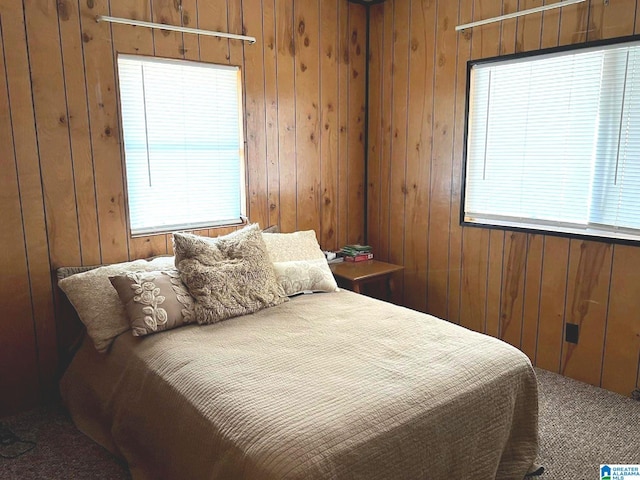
{"x": 581, "y": 427}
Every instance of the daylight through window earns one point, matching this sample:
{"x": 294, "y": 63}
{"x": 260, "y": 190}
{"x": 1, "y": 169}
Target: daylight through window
{"x": 553, "y": 142}
{"x": 183, "y": 143}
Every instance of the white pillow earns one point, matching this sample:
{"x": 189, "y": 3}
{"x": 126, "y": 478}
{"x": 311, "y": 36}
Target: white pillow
{"x": 299, "y": 263}
{"x": 97, "y": 302}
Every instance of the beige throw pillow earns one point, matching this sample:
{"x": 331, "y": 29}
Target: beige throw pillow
{"x": 97, "y": 302}
{"x": 154, "y": 301}
{"x": 299, "y": 263}
{"x": 227, "y": 276}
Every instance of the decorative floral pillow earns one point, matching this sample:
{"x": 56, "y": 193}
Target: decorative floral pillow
{"x": 154, "y": 301}
{"x": 299, "y": 263}
{"x": 228, "y": 276}
{"x": 98, "y": 304}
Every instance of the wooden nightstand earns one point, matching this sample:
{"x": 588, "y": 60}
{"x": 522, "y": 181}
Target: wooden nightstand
{"x": 353, "y": 275}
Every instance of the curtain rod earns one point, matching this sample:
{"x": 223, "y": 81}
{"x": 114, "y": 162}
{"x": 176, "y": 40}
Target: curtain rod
{"x": 174, "y": 28}
{"x": 518, "y": 14}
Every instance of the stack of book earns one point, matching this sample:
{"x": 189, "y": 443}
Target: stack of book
{"x": 356, "y": 253}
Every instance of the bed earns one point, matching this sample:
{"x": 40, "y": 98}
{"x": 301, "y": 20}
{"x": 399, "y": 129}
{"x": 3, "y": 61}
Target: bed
{"x": 325, "y": 386}
{"x": 330, "y": 385}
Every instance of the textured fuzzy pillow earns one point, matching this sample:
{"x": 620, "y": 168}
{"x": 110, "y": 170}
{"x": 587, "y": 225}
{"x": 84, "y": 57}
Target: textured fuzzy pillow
{"x": 299, "y": 263}
{"x": 97, "y": 302}
{"x": 227, "y": 276}
{"x": 154, "y": 301}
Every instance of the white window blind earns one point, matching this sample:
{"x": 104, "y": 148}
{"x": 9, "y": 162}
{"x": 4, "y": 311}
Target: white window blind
{"x": 183, "y": 144}
{"x": 553, "y": 142}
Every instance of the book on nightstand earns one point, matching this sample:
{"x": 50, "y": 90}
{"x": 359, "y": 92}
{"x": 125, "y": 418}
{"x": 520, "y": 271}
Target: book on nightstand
{"x": 362, "y": 257}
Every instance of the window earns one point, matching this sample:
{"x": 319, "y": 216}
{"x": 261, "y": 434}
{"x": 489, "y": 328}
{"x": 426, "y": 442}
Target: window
{"x": 183, "y": 144}
{"x": 553, "y": 142}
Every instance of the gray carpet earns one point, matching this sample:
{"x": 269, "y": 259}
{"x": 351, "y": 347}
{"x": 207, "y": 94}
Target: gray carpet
{"x": 580, "y": 427}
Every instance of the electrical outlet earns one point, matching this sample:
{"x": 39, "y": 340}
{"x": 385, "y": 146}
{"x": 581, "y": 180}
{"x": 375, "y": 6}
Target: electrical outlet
{"x": 572, "y": 332}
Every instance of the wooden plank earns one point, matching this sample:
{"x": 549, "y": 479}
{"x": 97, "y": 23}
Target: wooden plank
{"x": 574, "y": 23}
{"x": 463, "y": 52}
{"x": 532, "y": 290}
{"x": 493, "y": 296}
{"x": 307, "y": 114}
{"x": 167, "y": 43}
{"x": 388, "y": 69}
{"x": 286, "y": 47}
{"x": 355, "y": 138}
{"x": 271, "y": 101}
{"x": 375, "y": 105}
{"x": 133, "y": 40}
{"x": 18, "y": 356}
{"x": 105, "y": 131}
{"x": 509, "y": 28}
{"x": 513, "y": 284}
{"x": 473, "y": 290}
{"x": 622, "y": 345}
{"x": 79, "y": 128}
{"x": 486, "y": 39}
{"x": 529, "y": 30}
{"x": 53, "y": 132}
{"x": 343, "y": 120}
{"x": 31, "y": 194}
{"x": 552, "y": 301}
{"x": 189, "y": 17}
{"x": 444, "y": 100}
{"x": 213, "y": 16}
{"x": 236, "y": 47}
{"x": 254, "y": 114}
{"x": 401, "y": 48}
{"x": 329, "y": 58}
{"x": 550, "y": 28}
{"x": 612, "y": 20}
{"x": 419, "y": 148}
{"x": 587, "y": 299}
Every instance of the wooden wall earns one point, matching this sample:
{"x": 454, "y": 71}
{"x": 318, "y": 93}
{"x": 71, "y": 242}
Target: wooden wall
{"x": 519, "y": 287}
{"x": 61, "y": 186}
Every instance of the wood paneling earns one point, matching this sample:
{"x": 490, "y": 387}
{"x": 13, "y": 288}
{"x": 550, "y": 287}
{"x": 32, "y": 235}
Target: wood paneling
{"x": 522, "y": 288}
{"x": 17, "y": 330}
{"x": 63, "y": 185}
{"x": 304, "y": 83}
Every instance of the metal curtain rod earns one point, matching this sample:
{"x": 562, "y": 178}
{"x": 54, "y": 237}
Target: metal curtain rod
{"x": 174, "y": 28}
{"x": 518, "y": 14}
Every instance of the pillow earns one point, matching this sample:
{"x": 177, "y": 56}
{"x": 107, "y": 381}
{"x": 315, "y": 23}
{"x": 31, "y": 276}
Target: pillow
{"x": 154, "y": 301}
{"x": 299, "y": 263}
{"x": 98, "y": 304}
{"x": 272, "y": 229}
{"x": 227, "y": 276}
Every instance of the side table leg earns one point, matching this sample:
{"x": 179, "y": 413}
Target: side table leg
{"x": 389, "y": 288}
{"x": 356, "y": 287}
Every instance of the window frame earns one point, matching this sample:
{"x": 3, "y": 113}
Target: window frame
{"x": 244, "y": 184}
{"x": 541, "y": 229}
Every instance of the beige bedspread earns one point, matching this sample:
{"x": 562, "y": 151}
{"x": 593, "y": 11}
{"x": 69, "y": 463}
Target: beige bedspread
{"x": 326, "y": 386}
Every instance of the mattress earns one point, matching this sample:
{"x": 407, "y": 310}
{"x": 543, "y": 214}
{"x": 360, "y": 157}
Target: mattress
{"x": 326, "y": 386}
